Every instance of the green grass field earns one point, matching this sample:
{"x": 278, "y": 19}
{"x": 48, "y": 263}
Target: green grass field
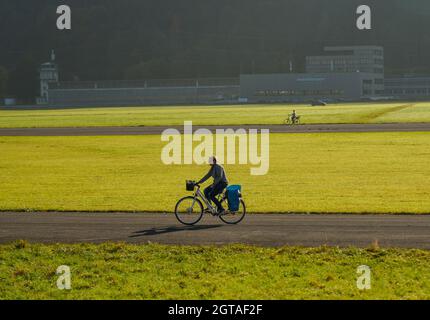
{"x": 216, "y": 115}
{"x": 339, "y": 172}
{"x": 120, "y": 271}
{"x": 321, "y": 173}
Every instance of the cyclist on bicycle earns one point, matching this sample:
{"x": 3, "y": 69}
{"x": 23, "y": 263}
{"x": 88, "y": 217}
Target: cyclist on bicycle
{"x": 294, "y": 117}
{"x": 220, "y": 182}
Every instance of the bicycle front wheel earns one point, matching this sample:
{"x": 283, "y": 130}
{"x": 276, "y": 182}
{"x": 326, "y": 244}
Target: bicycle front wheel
{"x": 236, "y": 216}
{"x": 189, "y": 211}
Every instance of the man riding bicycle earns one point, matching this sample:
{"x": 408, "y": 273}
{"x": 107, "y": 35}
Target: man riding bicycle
{"x": 294, "y": 117}
{"x": 220, "y": 182}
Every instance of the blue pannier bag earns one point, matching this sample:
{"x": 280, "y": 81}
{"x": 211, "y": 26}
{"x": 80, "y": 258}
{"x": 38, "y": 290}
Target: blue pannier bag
{"x": 233, "y": 197}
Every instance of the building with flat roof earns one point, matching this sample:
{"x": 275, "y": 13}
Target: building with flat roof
{"x": 302, "y": 87}
{"x": 408, "y": 87}
{"x": 347, "y": 73}
{"x": 342, "y": 73}
{"x": 145, "y": 92}
{"x": 349, "y": 59}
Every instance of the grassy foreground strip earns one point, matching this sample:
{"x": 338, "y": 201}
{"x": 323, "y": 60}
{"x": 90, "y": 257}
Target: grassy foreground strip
{"x": 342, "y": 172}
{"x": 121, "y": 271}
{"x": 216, "y": 115}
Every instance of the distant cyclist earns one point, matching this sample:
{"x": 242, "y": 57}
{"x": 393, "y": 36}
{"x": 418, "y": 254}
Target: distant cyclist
{"x": 220, "y": 182}
{"x": 294, "y": 116}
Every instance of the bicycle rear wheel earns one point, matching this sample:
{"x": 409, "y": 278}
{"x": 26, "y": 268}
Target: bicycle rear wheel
{"x": 189, "y": 211}
{"x": 236, "y": 216}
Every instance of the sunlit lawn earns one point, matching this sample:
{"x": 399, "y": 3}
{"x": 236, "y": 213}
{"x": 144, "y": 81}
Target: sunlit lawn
{"x": 120, "y": 271}
{"x": 216, "y": 115}
{"x": 339, "y": 172}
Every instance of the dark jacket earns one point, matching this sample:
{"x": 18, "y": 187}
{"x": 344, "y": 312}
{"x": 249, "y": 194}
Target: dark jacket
{"x": 217, "y": 172}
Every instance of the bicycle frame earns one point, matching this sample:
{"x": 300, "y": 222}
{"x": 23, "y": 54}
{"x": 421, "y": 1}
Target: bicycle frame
{"x": 199, "y": 194}
{"x": 293, "y": 121}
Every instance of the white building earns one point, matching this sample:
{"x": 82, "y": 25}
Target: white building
{"x": 365, "y": 59}
{"x": 48, "y": 73}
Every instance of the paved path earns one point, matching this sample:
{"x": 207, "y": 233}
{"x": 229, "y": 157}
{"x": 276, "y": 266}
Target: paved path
{"x": 258, "y": 229}
{"x": 311, "y": 128}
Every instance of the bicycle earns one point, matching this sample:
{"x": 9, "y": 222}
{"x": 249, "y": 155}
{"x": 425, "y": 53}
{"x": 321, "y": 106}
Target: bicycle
{"x": 291, "y": 121}
{"x": 189, "y": 210}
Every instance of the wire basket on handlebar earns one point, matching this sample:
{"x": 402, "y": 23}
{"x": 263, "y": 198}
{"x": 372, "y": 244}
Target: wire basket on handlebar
{"x": 190, "y": 185}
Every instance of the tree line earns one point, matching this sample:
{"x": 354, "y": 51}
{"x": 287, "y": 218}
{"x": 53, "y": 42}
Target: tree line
{"x": 134, "y": 39}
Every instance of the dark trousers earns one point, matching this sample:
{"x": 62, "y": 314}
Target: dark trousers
{"x": 212, "y": 191}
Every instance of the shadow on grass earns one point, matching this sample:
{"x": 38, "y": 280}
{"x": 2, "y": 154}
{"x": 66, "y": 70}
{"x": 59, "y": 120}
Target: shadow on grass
{"x": 158, "y": 231}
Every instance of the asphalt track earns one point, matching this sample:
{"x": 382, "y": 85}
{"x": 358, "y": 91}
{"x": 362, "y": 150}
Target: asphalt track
{"x": 311, "y": 128}
{"x": 261, "y": 229}
{"x": 257, "y": 229}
